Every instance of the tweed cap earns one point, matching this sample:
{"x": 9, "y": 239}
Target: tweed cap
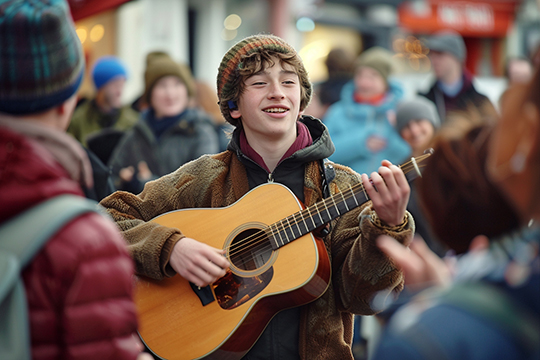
{"x": 162, "y": 65}
{"x": 450, "y": 42}
{"x": 418, "y": 108}
{"x": 41, "y": 59}
{"x": 233, "y": 61}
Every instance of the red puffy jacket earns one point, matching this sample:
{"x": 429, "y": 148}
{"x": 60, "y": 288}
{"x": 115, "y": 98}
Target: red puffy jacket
{"x": 79, "y": 286}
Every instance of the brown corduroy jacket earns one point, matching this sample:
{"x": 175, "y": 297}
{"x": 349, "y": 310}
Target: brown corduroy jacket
{"x": 359, "y": 269}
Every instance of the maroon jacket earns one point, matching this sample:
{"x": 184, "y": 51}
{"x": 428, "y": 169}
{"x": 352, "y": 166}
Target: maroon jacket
{"x": 79, "y": 286}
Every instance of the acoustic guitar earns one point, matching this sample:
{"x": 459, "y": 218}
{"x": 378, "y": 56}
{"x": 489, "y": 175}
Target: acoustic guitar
{"x": 275, "y": 263}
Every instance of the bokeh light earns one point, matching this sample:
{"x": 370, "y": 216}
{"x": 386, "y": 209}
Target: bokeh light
{"x": 82, "y": 34}
{"x": 232, "y": 22}
{"x": 97, "y": 32}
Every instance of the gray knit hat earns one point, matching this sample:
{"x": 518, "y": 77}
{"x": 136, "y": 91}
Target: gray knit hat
{"x": 416, "y": 109}
{"x": 450, "y": 42}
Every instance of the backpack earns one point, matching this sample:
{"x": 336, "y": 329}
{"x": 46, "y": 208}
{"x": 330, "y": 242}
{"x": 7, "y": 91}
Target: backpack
{"x": 21, "y": 238}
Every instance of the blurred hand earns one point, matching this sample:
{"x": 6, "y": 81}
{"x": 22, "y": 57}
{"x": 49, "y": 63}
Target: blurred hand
{"x": 421, "y": 267}
{"x": 391, "y": 196}
{"x": 126, "y": 174}
{"x": 144, "y": 173}
{"x": 197, "y": 262}
{"x": 144, "y": 356}
{"x": 375, "y": 143}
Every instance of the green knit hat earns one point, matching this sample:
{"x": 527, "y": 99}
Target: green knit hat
{"x": 41, "y": 57}
{"x": 233, "y": 61}
{"x": 377, "y": 58}
{"x": 161, "y": 65}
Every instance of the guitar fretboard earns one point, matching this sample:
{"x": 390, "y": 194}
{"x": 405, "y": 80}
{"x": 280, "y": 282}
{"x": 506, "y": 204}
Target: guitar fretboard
{"x": 305, "y": 221}
{"x": 315, "y": 216}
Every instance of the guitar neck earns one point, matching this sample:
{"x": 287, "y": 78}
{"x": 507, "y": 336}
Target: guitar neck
{"x": 305, "y": 221}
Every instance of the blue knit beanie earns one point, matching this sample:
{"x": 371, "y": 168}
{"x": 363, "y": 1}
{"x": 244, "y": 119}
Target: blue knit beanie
{"x": 106, "y": 69}
{"x": 41, "y": 58}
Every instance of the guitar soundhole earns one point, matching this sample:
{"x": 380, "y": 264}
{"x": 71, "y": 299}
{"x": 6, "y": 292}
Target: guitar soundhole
{"x": 250, "y": 250}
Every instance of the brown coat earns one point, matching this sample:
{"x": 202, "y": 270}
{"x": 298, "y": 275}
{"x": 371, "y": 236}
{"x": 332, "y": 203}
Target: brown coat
{"x": 359, "y": 269}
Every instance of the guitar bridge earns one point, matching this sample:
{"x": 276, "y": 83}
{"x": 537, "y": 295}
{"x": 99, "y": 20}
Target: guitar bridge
{"x": 204, "y": 294}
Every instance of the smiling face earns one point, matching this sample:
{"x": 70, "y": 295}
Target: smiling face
{"x": 369, "y": 82}
{"x": 269, "y": 105}
{"x": 418, "y": 134}
{"x": 169, "y": 96}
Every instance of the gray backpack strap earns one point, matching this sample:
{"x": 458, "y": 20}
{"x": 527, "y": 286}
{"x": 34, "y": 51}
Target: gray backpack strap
{"x": 20, "y": 239}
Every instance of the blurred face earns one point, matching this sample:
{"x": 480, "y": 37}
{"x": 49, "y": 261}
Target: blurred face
{"x": 270, "y": 104}
{"x": 169, "y": 96}
{"x": 444, "y": 64}
{"x": 519, "y": 71}
{"x": 369, "y": 82}
{"x": 418, "y": 134}
{"x": 112, "y": 92}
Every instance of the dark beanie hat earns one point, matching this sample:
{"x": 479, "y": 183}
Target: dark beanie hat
{"x": 41, "y": 59}
{"x": 233, "y": 61}
{"x": 163, "y": 65}
{"x": 416, "y": 109}
{"x": 106, "y": 69}
{"x": 376, "y": 58}
{"x": 450, "y": 42}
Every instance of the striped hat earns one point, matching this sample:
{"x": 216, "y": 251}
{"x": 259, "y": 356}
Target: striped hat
{"x": 233, "y": 61}
{"x": 41, "y": 58}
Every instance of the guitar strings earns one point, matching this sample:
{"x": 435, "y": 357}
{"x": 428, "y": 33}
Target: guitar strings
{"x": 260, "y": 237}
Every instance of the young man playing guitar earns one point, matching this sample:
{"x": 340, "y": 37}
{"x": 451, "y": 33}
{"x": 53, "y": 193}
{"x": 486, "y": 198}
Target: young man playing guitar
{"x": 263, "y": 89}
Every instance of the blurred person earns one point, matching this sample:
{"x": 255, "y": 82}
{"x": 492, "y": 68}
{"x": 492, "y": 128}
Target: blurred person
{"x": 206, "y": 99}
{"x": 140, "y": 104}
{"x": 361, "y": 124}
{"x": 168, "y": 134}
{"x": 79, "y": 284}
{"x": 453, "y": 89}
{"x": 417, "y": 121}
{"x": 490, "y": 308}
{"x": 263, "y": 89}
{"x": 105, "y": 111}
{"x": 340, "y": 66}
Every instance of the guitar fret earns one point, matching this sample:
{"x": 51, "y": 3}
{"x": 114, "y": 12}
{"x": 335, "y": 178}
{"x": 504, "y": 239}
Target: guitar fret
{"x": 353, "y": 196}
{"x": 312, "y": 219}
{"x": 305, "y": 224}
{"x": 280, "y": 238}
{"x": 292, "y": 230}
{"x": 336, "y": 206}
{"x": 345, "y": 202}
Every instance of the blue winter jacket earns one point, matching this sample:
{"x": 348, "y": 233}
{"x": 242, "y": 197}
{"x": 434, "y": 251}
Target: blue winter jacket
{"x": 350, "y": 124}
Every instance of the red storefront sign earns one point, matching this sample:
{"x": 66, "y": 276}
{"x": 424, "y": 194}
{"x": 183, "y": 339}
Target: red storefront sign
{"x": 84, "y": 8}
{"x": 473, "y": 18}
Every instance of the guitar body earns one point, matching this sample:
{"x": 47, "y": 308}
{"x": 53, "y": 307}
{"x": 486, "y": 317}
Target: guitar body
{"x": 225, "y": 319}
